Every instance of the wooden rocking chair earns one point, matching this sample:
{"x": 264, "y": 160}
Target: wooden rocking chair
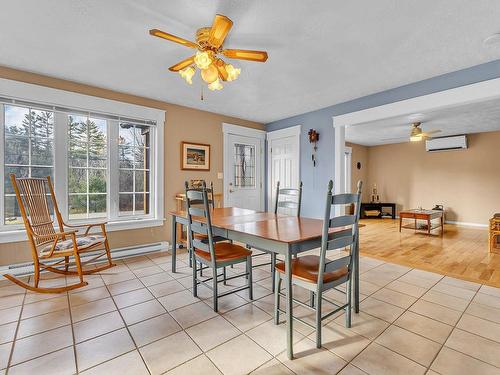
{"x": 34, "y": 196}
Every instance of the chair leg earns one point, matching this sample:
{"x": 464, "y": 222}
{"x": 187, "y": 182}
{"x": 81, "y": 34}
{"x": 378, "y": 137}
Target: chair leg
{"x": 214, "y": 291}
{"x": 79, "y": 266}
{"x": 37, "y": 274}
{"x": 250, "y": 282}
{"x": 108, "y": 251}
{"x": 66, "y": 263}
{"x": 277, "y": 279}
{"x": 311, "y": 298}
{"x": 318, "y": 319}
{"x": 224, "y": 275}
{"x": 195, "y": 281}
{"x": 348, "y": 308}
{"x": 273, "y": 270}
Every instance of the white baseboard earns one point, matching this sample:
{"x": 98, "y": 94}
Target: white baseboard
{"x": 465, "y": 224}
{"x": 22, "y": 269}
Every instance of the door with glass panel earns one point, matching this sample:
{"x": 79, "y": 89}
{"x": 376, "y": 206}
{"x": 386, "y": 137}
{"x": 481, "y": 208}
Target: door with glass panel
{"x": 243, "y": 180}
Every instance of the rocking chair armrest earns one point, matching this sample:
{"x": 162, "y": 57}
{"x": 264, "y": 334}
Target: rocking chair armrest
{"x": 58, "y": 234}
{"x": 88, "y": 226}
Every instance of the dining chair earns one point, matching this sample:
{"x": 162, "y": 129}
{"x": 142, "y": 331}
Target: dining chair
{"x": 210, "y": 254}
{"x": 317, "y": 273}
{"x": 35, "y": 197}
{"x": 211, "y": 203}
{"x": 290, "y": 201}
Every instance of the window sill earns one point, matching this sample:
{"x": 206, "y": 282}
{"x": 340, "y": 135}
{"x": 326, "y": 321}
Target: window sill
{"x": 20, "y": 235}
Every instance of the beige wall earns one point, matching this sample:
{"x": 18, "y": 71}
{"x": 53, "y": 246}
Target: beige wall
{"x": 181, "y": 124}
{"x": 466, "y": 182}
{"x": 359, "y": 154}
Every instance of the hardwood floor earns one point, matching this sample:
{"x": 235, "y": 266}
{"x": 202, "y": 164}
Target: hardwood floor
{"x": 462, "y": 252}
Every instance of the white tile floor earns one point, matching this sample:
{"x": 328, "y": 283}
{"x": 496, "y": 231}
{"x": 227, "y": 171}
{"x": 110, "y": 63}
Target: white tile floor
{"x": 139, "y": 318}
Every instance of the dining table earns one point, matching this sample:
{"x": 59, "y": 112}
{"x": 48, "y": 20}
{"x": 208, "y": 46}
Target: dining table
{"x": 277, "y": 233}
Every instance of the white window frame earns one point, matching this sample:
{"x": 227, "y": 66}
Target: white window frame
{"x": 46, "y": 96}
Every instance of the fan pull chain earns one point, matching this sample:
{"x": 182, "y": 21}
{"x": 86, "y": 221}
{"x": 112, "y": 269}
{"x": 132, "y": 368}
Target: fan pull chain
{"x": 201, "y": 91}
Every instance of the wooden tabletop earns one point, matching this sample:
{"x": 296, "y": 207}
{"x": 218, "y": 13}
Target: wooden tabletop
{"x": 276, "y": 227}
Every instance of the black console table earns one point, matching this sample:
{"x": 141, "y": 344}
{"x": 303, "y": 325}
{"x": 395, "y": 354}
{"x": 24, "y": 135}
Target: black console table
{"x": 377, "y": 206}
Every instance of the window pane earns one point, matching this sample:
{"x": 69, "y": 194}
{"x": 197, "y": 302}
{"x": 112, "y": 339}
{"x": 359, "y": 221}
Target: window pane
{"x": 42, "y": 123}
{"x": 17, "y": 150}
{"x": 78, "y": 206}
{"x": 244, "y": 165}
{"x": 141, "y": 136}
{"x": 17, "y": 120}
{"x": 77, "y": 154}
{"x": 41, "y": 151}
{"x": 77, "y": 180}
{"x": 19, "y": 172}
{"x": 126, "y": 181}
{"x": 97, "y": 205}
{"x": 12, "y": 212}
{"x": 77, "y": 129}
{"x": 139, "y": 181}
{"x": 126, "y": 156}
{"x": 140, "y": 207}
{"x": 97, "y": 181}
{"x": 126, "y": 134}
{"x": 42, "y": 172}
{"x": 142, "y": 158}
{"x": 97, "y": 143}
{"x": 126, "y": 203}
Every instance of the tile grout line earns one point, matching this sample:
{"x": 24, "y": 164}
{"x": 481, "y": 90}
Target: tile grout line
{"x": 128, "y": 331}
{"x": 451, "y": 332}
{"x": 72, "y": 332}
{"x": 390, "y": 324}
{"x": 9, "y": 361}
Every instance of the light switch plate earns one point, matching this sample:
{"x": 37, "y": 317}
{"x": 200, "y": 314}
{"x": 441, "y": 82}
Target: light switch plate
{"x": 220, "y": 175}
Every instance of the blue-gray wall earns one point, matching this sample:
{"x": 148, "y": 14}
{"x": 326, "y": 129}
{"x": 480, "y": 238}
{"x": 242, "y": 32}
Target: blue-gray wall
{"x": 316, "y": 179}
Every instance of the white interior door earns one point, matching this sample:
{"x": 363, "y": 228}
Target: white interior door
{"x": 243, "y": 172}
{"x": 283, "y": 162}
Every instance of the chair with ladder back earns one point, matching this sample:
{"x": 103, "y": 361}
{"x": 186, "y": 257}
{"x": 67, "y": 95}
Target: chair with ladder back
{"x": 51, "y": 248}
{"x": 210, "y": 254}
{"x": 288, "y": 201}
{"x": 317, "y": 273}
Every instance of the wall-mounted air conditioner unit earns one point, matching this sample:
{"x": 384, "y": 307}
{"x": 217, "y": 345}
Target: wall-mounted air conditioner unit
{"x": 457, "y": 142}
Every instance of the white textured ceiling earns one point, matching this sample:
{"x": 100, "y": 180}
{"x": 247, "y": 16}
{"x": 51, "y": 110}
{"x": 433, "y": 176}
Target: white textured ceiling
{"x": 320, "y": 52}
{"x": 467, "y": 119}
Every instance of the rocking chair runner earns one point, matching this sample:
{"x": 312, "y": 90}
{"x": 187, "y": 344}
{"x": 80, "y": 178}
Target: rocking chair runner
{"x": 34, "y": 196}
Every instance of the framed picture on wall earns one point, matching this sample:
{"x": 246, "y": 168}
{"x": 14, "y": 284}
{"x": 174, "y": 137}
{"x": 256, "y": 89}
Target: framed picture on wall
{"x": 195, "y": 156}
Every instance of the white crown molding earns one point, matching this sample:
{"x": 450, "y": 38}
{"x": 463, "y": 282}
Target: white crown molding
{"x": 286, "y": 132}
{"x": 243, "y": 130}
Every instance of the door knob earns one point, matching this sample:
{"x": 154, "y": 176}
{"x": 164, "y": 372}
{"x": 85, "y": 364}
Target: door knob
{"x": 231, "y": 190}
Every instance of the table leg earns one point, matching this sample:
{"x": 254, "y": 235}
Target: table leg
{"x": 428, "y": 226}
{"x": 289, "y": 304}
{"x": 174, "y": 242}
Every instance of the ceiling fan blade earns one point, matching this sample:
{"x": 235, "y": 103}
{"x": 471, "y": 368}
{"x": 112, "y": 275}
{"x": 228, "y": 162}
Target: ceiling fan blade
{"x": 221, "y": 67}
{"x": 181, "y": 65}
{"x": 220, "y": 29}
{"x": 432, "y": 132}
{"x": 242, "y": 54}
{"x": 172, "y": 38}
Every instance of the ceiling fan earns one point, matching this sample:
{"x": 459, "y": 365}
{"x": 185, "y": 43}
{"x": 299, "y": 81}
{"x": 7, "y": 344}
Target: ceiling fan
{"x": 416, "y": 133}
{"x": 209, "y": 45}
